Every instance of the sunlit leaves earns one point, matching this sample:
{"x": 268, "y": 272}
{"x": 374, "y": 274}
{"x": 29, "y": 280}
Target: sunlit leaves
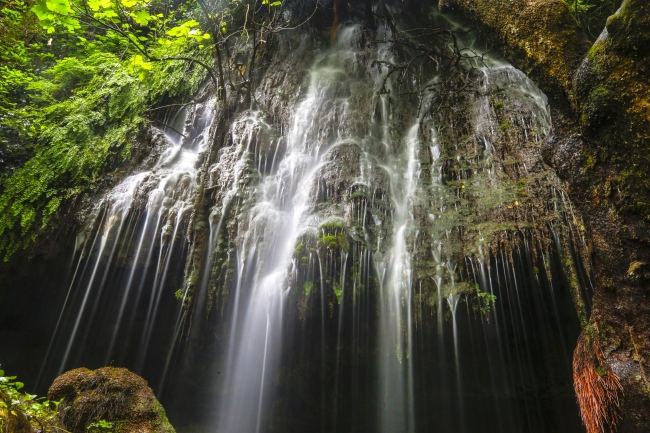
{"x": 97, "y": 5}
{"x": 52, "y": 13}
{"x": 141, "y": 17}
{"x": 184, "y": 29}
{"x": 59, "y": 6}
{"x": 186, "y": 33}
{"x": 89, "y": 111}
{"x": 138, "y": 65}
{"x": 41, "y": 413}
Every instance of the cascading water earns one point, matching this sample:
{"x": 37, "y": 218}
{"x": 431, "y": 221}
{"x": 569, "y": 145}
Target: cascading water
{"x": 385, "y": 255}
{"x": 139, "y": 224}
{"x": 283, "y": 213}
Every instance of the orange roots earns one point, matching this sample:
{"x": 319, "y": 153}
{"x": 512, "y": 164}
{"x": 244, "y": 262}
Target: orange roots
{"x": 335, "y": 24}
{"x": 596, "y": 386}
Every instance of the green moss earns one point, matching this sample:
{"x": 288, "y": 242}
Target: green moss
{"x": 332, "y": 225}
{"x": 600, "y": 93}
{"x": 590, "y": 161}
{"x": 338, "y": 292}
{"x": 299, "y": 250}
{"x": 304, "y": 246}
{"x": 333, "y": 235}
{"x": 334, "y": 242}
{"x": 307, "y": 287}
{"x": 595, "y": 51}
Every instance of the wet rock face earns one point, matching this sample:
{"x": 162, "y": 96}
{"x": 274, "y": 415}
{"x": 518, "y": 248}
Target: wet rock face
{"x": 115, "y": 396}
{"x": 600, "y": 149}
{"x": 522, "y": 29}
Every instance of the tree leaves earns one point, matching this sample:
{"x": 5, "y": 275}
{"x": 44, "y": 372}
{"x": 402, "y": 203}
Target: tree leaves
{"x": 96, "y": 5}
{"x": 53, "y": 13}
{"x": 184, "y": 29}
{"x": 141, "y": 17}
{"x": 58, "y": 6}
{"x": 41, "y": 413}
{"x": 140, "y": 66}
{"x": 91, "y": 110}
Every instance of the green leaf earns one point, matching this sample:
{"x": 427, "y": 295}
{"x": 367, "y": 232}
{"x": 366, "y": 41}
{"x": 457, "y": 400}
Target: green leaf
{"x": 179, "y": 31}
{"x": 108, "y": 13}
{"x": 59, "y": 6}
{"x": 41, "y": 11}
{"x": 141, "y": 17}
{"x": 96, "y": 5}
{"x": 70, "y": 23}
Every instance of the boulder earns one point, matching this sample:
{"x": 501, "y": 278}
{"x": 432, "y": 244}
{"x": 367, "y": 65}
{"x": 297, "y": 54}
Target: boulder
{"x": 108, "y": 398}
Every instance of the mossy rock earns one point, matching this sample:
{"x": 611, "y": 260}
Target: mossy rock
{"x": 115, "y": 397}
{"x": 540, "y": 37}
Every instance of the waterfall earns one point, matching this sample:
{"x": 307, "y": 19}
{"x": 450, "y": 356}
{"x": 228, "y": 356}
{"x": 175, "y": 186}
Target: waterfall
{"x": 380, "y": 254}
{"x": 139, "y": 223}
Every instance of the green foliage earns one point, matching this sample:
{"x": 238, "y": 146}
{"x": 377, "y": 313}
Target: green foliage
{"x": 592, "y": 14}
{"x": 333, "y": 235}
{"x": 14, "y": 403}
{"x": 398, "y": 352}
{"x": 85, "y": 115}
{"x": 101, "y": 426}
{"x": 334, "y": 241}
{"x": 485, "y": 300}
{"x": 19, "y": 45}
{"x": 77, "y": 78}
{"x": 15, "y": 50}
{"x": 308, "y": 287}
{"x": 338, "y": 292}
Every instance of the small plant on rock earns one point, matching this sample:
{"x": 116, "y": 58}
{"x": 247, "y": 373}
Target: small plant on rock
{"x": 21, "y": 412}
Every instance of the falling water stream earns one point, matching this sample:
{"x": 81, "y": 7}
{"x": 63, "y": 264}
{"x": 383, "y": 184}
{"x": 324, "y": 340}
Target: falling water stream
{"x": 342, "y": 287}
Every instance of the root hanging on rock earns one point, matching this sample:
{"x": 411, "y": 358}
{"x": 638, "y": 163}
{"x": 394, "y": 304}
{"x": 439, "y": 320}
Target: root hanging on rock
{"x": 597, "y": 387}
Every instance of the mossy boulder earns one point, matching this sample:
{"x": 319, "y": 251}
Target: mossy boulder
{"x": 109, "y": 398}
